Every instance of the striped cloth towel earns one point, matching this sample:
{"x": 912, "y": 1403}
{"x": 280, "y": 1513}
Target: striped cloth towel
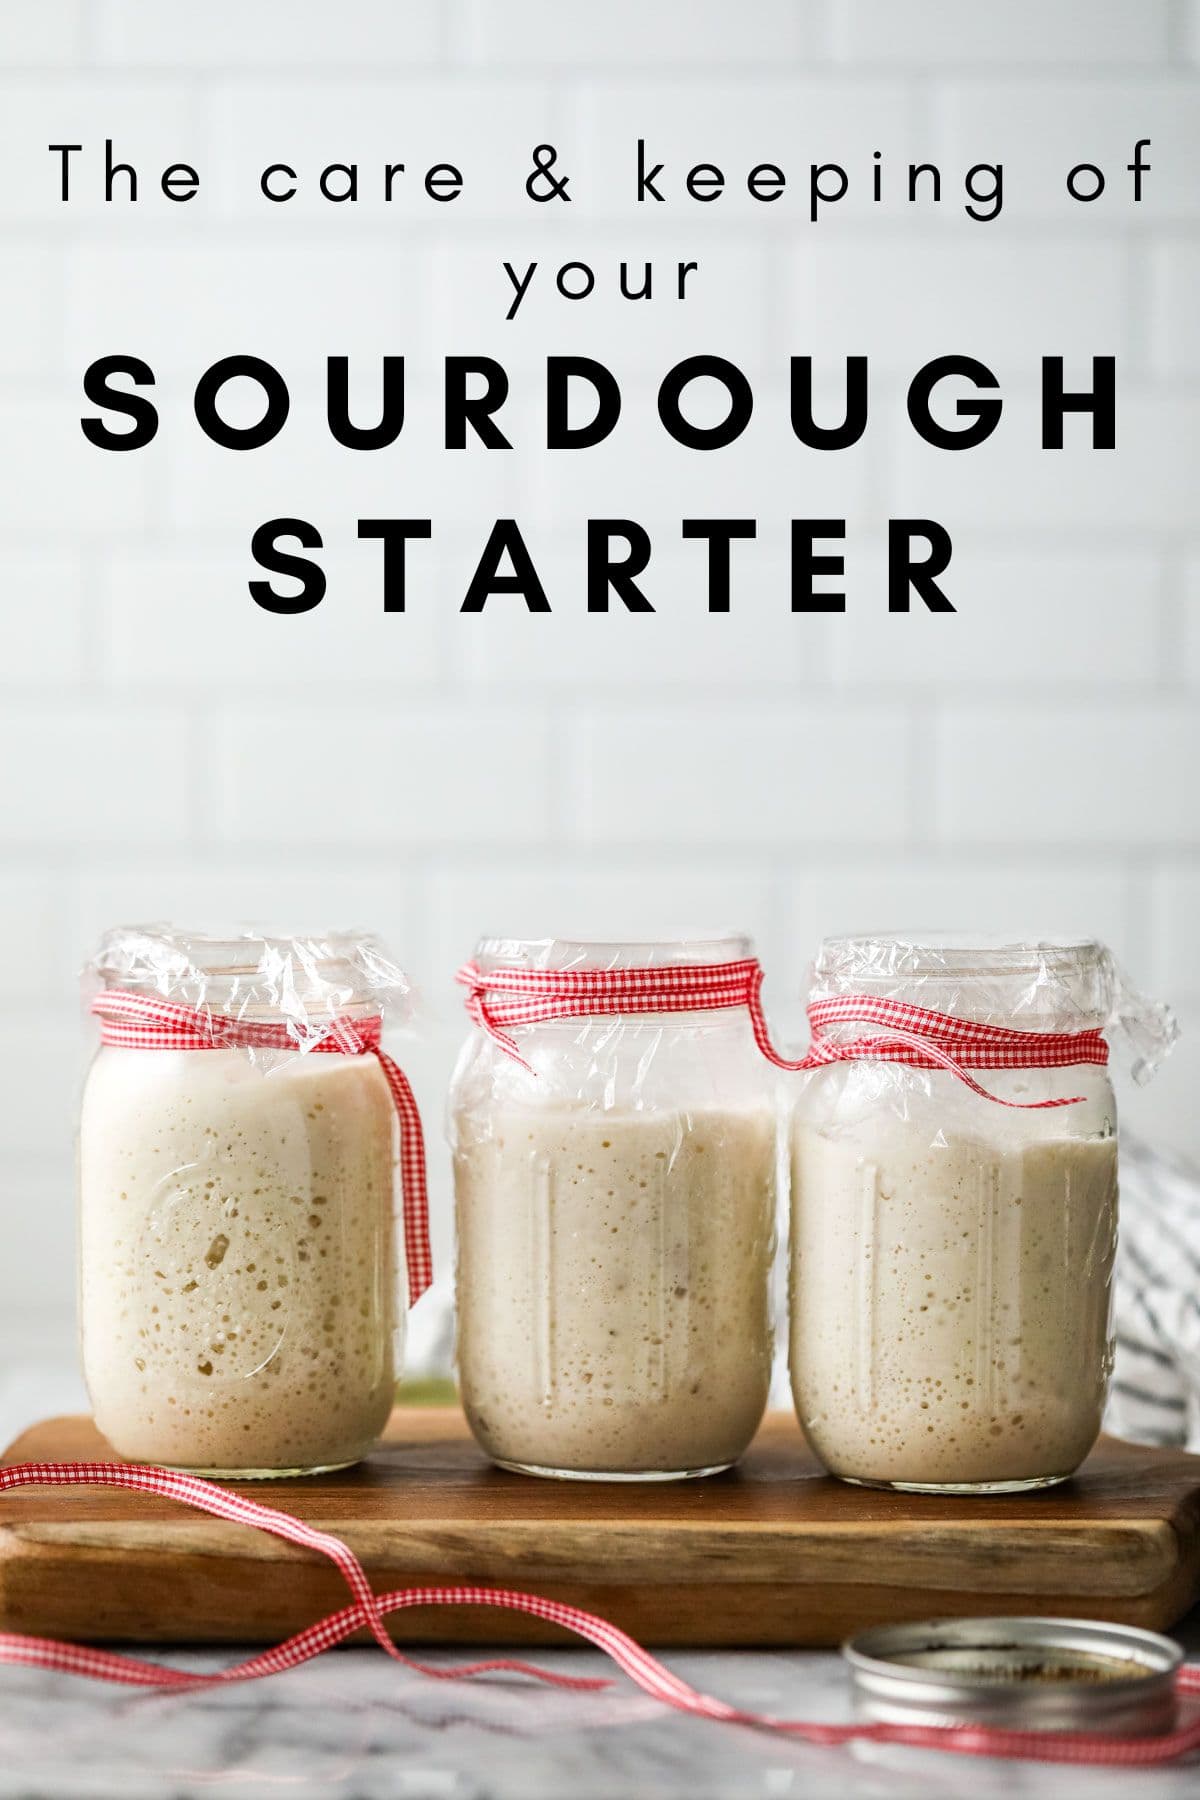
{"x": 1156, "y": 1384}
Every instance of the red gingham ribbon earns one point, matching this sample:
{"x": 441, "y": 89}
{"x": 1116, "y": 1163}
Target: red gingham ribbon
{"x": 131, "y": 1021}
{"x": 368, "y": 1611}
{"x": 935, "y": 1040}
{"x": 501, "y": 998}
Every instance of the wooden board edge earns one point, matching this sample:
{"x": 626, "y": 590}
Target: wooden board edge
{"x": 538, "y": 1551}
{"x": 747, "y": 1615}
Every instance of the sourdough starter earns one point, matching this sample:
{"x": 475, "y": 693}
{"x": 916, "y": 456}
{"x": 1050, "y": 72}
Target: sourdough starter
{"x": 613, "y": 1311}
{"x": 950, "y": 1299}
{"x": 237, "y": 1286}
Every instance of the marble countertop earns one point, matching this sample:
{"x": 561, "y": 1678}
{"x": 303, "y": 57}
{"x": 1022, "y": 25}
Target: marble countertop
{"x": 355, "y": 1724}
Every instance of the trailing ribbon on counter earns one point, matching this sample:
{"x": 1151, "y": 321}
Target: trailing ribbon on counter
{"x": 499, "y": 999}
{"x": 368, "y": 1611}
{"x": 131, "y": 1021}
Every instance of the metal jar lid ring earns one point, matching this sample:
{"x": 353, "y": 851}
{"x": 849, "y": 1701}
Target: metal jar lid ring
{"x": 1016, "y": 1674}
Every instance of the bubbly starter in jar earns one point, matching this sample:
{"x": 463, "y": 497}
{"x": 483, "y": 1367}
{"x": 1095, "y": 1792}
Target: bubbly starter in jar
{"x": 950, "y": 1296}
{"x": 613, "y": 1284}
{"x": 237, "y": 1256}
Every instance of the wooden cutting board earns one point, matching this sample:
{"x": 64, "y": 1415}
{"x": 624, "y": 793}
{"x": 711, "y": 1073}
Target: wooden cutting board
{"x": 772, "y": 1553}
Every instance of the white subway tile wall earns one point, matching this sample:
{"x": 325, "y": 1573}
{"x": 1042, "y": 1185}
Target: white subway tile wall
{"x": 171, "y": 750}
{"x": 267, "y": 34}
{"x": 1022, "y": 33}
{"x": 42, "y": 33}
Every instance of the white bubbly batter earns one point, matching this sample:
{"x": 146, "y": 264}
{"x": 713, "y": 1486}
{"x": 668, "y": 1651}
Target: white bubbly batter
{"x": 950, "y": 1296}
{"x": 237, "y": 1276}
{"x": 613, "y": 1311}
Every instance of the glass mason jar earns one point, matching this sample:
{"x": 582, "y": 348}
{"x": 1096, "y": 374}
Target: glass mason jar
{"x": 616, "y": 1226}
{"x": 239, "y": 1275}
{"x": 951, "y": 1258}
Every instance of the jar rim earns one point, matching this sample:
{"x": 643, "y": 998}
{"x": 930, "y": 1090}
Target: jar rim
{"x": 886, "y": 954}
{"x": 565, "y": 952}
{"x": 1036, "y": 982}
{"x": 248, "y": 970}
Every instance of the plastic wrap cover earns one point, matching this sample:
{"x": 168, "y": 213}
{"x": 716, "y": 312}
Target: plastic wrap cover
{"x": 642, "y": 1062}
{"x": 1048, "y": 984}
{"x": 301, "y": 981}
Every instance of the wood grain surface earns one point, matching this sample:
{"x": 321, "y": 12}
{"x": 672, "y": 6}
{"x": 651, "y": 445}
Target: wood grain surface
{"x": 774, "y": 1552}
